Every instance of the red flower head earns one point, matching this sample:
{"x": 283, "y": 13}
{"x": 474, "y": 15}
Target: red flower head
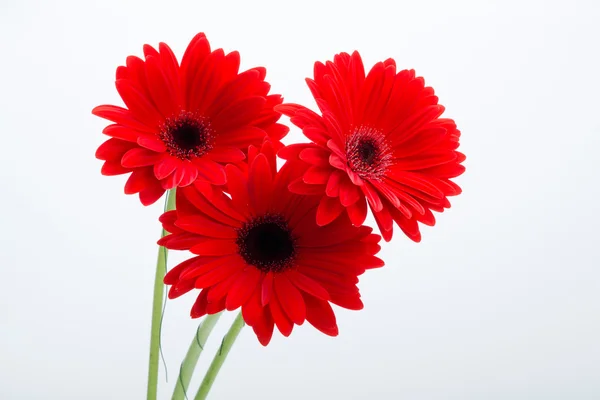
{"x": 260, "y": 249}
{"x": 184, "y": 123}
{"x": 380, "y": 139}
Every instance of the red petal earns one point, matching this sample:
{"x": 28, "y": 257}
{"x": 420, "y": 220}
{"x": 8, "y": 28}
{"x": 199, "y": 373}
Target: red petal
{"x": 260, "y": 184}
{"x": 121, "y": 132}
{"x": 290, "y": 298}
{"x": 172, "y": 276}
{"x": 221, "y": 289}
{"x": 239, "y": 114}
{"x": 320, "y": 315}
{"x": 329, "y": 209}
{"x": 204, "y": 265}
{"x": 238, "y": 188}
{"x": 299, "y": 187}
{"x": 264, "y": 327}
{"x": 284, "y": 324}
{"x": 180, "y": 288}
{"x": 137, "y": 103}
{"x": 159, "y": 88}
{"x": 245, "y": 84}
{"x": 292, "y": 151}
{"x": 179, "y": 241}
{"x": 333, "y": 233}
{"x": 210, "y": 171}
{"x": 151, "y": 143}
{"x": 139, "y": 179}
{"x": 288, "y": 109}
{"x": 277, "y": 132}
{"x": 427, "y": 160}
{"x": 333, "y": 184}
{"x": 190, "y": 173}
{"x": 384, "y": 220}
{"x": 241, "y": 137}
{"x": 252, "y": 310}
{"x": 199, "y": 307}
{"x": 173, "y": 180}
{"x": 226, "y": 155}
{"x": 307, "y": 285}
{"x": 351, "y": 302}
{"x": 315, "y": 156}
{"x": 317, "y": 175}
{"x": 334, "y": 146}
{"x": 243, "y": 288}
{"x": 215, "y": 307}
{"x": 267, "y": 289}
{"x": 165, "y": 167}
{"x": 139, "y": 157}
{"x": 113, "y": 149}
{"x": 215, "y": 248}
{"x": 337, "y": 162}
{"x": 200, "y": 202}
{"x": 349, "y": 192}
{"x": 110, "y": 168}
{"x": 151, "y": 194}
{"x": 372, "y": 197}
{"x": 121, "y": 116}
{"x": 217, "y": 275}
{"x": 205, "y": 227}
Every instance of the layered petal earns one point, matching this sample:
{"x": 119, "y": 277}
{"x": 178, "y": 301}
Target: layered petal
{"x": 379, "y": 141}
{"x": 185, "y": 121}
{"x": 262, "y": 250}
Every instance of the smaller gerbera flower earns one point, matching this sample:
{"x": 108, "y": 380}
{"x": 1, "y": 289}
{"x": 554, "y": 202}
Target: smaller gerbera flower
{"x": 184, "y": 123}
{"x": 259, "y": 248}
{"x": 379, "y": 141}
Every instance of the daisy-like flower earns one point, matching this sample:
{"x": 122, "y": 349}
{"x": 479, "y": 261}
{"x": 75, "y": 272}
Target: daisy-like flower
{"x": 259, "y": 248}
{"x": 185, "y": 122}
{"x": 379, "y": 141}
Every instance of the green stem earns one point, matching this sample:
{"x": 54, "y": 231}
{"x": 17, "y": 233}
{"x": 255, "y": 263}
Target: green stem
{"x": 220, "y": 357}
{"x": 191, "y": 358}
{"x": 159, "y": 290}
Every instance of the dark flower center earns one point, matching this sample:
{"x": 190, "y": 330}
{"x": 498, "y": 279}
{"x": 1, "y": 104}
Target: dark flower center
{"x": 187, "y": 135}
{"x": 266, "y": 242}
{"x": 368, "y": 153}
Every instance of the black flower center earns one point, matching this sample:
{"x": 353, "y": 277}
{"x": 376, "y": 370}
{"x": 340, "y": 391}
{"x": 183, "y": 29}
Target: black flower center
{"x": 266, "y": 242}
{"x": 187, "y": 135}
{"x": 368, "y": 153}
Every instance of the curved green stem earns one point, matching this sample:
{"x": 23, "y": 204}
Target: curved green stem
{"x": 159, "y": 290}
{"x": 220, "y": 357}
{"x": 191, "y": 358}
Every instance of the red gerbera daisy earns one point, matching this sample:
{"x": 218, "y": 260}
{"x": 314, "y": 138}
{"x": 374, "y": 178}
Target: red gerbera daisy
{"x": 184, "y": 123}
{"x": 260, "y": 249}
{"x": 380, "y": 140}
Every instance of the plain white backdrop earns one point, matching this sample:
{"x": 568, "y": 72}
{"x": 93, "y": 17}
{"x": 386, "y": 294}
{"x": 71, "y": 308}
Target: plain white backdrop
{"x": 501, "y": 300}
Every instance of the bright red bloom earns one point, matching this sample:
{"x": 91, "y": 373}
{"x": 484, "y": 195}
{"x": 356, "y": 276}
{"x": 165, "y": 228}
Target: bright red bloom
{"x": 380, "y": 140}
{"x": 260, "y": 249}
{"x": 184, "y": 123}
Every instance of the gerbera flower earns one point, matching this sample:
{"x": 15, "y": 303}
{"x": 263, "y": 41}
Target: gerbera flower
{"x": 260, "y": 249}
{"x": 379, "y": 141}
{"x": 184, "y": 123}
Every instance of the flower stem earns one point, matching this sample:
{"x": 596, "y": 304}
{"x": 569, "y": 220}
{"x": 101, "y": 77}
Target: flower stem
{"x": 220, "y": 357}
{"x": 191, "y": 358}
{"x": 159, "y": 290}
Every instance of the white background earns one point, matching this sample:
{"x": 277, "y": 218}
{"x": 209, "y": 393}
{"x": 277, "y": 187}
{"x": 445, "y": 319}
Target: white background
{"x": 501, "y": 300}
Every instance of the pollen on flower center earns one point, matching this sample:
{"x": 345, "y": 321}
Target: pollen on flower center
{"x": 368, "y": 153}
{"x": 187, "y": 135}
{"x": 267, "y": 243}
